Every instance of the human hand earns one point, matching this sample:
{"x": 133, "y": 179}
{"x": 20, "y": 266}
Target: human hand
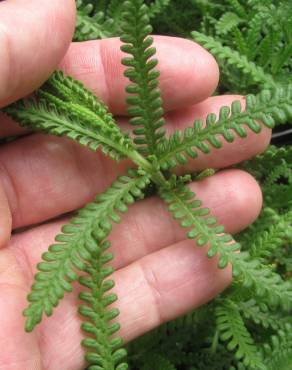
{"x": 159, "y": 275}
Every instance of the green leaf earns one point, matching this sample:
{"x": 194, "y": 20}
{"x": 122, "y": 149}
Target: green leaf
{"x": 157, "y": 7}
{"x": 182, "y": 204}
{"x": 232, "y": 57}
{"x": 91, "y": 25}
{"x": 267, "y": 284}
{"x": 227, "y": 22}
{"x": 268, "y": 108}
{"x": 232, "y": 329}
{"x": 80, "y": 240}
{"x": 145, "y": 103}
{"x": 74, "y": 112}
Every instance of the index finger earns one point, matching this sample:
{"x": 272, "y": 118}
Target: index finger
{"x": 34, "y": 36}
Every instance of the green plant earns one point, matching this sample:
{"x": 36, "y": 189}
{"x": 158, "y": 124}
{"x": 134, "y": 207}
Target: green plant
{"x": 248, "y": 326}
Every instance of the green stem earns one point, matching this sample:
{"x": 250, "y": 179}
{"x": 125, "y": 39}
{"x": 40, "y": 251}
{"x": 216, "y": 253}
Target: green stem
{"x": 156, "y": 175}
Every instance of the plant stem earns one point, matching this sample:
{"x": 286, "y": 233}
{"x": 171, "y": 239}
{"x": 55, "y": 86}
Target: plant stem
{"x": 156, "y": 175}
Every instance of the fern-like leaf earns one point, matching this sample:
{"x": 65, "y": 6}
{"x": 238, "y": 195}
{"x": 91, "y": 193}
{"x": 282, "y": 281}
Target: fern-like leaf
{"x": 104, "y": 351}
{"x": 79, "y": 240}
{"x": 267, "y": 108}
{"x": 278, "y": 353}
{"x": 268, "y": 241}
{"x": 75, "y": 113}
{"x": 265, "y": 50}
{"x": 263, "y": 164}
{"x": 226, "y": 55}
{"x": 70, "y": 90}
{"x": 90, "y": 25}
{"x": 237, "y": 7}
{"x": 202, "y": 227}
{"x": 114, "y": 11}
{"x": 282, "y": 58}
{"x": 267, "y": 284}
{"x": 145, "y": 100}
{"x": 254, "y": 33}
{"x": 240, "y": 41}
{"x": 260, "y": 314}
{"x": 227, "y": 22}
{"x": 157, "y": 7}
{"x": 232, "y": 329}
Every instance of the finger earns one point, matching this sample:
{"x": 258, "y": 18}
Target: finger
{"x": 148, "y": 225}
{"x": 34, "y": 37}
{"x": 41, "y": 158}
{"x": 21, "y": 350}
{"x": 165, "y": 285}
{"x": 38, "y": 167}
{"x": 188, "y": 72}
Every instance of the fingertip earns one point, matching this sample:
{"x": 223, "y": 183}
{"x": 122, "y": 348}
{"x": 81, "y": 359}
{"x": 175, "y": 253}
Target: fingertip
{"x": 239, "y": 190}
{"x": 248, "y": 197}
{"x": 189, "y": 73}
{"x": 32, "y": 50}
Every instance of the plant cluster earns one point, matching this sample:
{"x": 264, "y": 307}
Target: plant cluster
{"x": 249, "y": 325}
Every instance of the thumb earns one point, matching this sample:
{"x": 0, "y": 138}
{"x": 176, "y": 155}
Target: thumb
{"x": 34, "y": 36}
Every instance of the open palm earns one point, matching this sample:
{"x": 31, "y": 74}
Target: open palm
{"x": 159, "y": 274}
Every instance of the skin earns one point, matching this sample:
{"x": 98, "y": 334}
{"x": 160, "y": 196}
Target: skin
{"x": 159, "y": 274}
